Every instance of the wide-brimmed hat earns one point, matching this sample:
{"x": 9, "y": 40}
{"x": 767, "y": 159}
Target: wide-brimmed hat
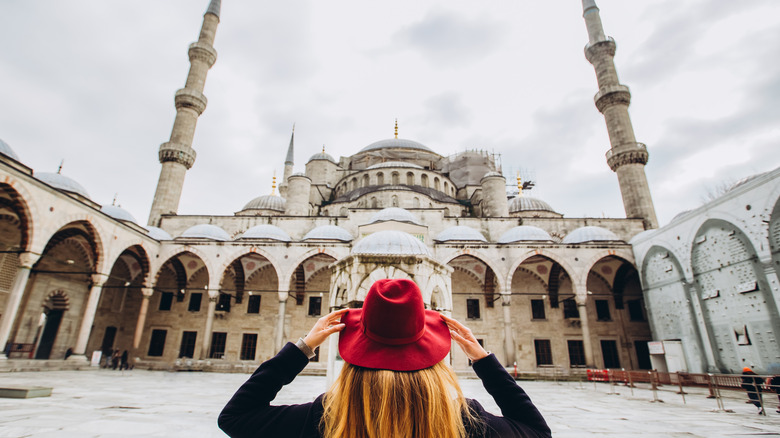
{"x": 393, "y": 331}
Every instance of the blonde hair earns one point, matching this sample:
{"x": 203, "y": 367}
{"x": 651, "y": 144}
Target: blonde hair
{"x": 369, "y": 403}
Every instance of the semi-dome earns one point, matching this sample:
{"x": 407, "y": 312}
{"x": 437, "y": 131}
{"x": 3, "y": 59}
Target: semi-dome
{"x": 206, "y": 231}
{"x": 391, "y": 242}
{"x": 328, "y": 232}
{"x": 322, "y": 156}
{"x": 590, "y": 234}
{"x": 526, "y": 203}
{"x": 158, "y": 233}
{"x": 266, "y": 231}
{"x": 7, "y": 151}
{"x": 387, "y": 164}
{"x": 525, "y": 233}
{"x": 396, "y": 143}
{"x": 118, "y": 213}
{"x": 394, "y": 214}
{"x": 460, "y": 233}
{"x": 62, "y": 182}
{"x": 266, "y": 202}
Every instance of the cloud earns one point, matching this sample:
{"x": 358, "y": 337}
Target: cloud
{"x": 446, "y": 110}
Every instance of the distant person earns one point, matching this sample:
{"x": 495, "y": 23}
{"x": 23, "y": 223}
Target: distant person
{"x": 115, "y": 359}
{"x": 107, "y": 352}
{"x": 395, "y": 381}
{"x": 751, "y": 383}
{"x": 773, "y": 384}
{"x": 123, "y": 365}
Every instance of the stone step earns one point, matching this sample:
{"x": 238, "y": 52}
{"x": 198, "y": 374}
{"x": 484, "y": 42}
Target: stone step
{"x": 24, "y": 392}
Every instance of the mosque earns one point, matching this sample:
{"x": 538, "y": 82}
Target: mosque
{"x": 545, "y": 292}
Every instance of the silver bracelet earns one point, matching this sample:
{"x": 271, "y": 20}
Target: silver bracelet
{"x": 305, "y": 349}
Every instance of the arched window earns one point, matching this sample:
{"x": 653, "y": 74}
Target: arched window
{"x": 365, "y": 180}
{"x": 343, "y": 211}
{"x": 380, "y": 179}
{"x": 353, "y": 184}
{"x": 436, "y": 183}
{"x": 446, "y": 187}
{"x": 396, "y": 179}
{"x": 373, "y": 202}
{"x": 424, "y": 181}
{"x": 410, "y": 179}
{"x": 395, "y": 201}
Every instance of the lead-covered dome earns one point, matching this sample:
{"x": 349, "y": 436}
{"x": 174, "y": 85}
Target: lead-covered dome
{"x": 266, "y": 231}
{"x": 396, "y": 143}
{"x": 118, "y": 213}
{"x": 158, "y": 233}
{"x": 394, "y": 214}
{"x": 525, "y": 233}
{"x": 322, "y": 156}
{"x": 7, "y": 151}
{"x": 328, "y": 232}
{"x": 206, "y": 231}
{"x": 62, "y": 182}
{"x": 391, "y": 242}
{"x": 590, "y": 234}
{"x": 266, "y": 202}
{"x": 388, "y": 164}
{"x": 525, "y": 203}
{"x": 460, "y": 233}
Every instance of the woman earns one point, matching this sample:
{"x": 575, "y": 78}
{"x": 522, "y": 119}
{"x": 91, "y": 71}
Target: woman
{"x": 751, "y": 383}
{"x": 394, "y": 382}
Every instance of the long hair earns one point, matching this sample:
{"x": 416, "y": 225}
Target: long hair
{"x": 369, "y": 403}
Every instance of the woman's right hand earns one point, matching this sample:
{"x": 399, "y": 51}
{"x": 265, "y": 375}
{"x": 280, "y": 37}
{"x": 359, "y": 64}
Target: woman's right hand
{"x": 465, "y": 339}
{"x": 324, "y": 327}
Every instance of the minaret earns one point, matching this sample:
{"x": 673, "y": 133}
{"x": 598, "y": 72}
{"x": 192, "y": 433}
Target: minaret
{"x": 288, "y": 165}
{"x": 177, "y": 155}
{"x": 626, "y": 156}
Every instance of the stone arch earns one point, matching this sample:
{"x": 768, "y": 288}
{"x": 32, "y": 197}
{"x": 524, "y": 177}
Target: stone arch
{"x": 15, "y": 207}
{"x": 485, "y": 276}
{"x": 396, "y": 178}
{"x": 484, "y": 258}
{"x": 174, "y": 251}
{"x": 313, "y": 267}
{"x": 409, "y": 178}
{"x": 380, "y": 179}
{"x": 365, "y": 180}
{"x": 248, "y": 273}
{"x": 181, "y": 273}
{"x": 424, "y": 180}
{"x": 436, "y": 183}
{"x": 738, "y": 307}
{"x": 565, "y": 266}
{"x": 551, "y": 281}
{"x": 57, "y": 300}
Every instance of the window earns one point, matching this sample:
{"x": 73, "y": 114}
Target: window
{"x": 537, "y": 309}
{"x": 315, "y": 306}
{"x": 195, "y": 300}
{"x": 248, "y": 346}
{"x": 253, "y": 306}
{"x": 576, "y": 354}
{"x": 157, "y": 343}
{"x": 570, "y": 309}
{"x": 602, "y": 310}
{"x": 187, "y": 348}
{"x": 218, "y": 340}
{"x": 472, "y": 309}
{"x": 166, "y": 298}
{"x": 396, "y": 178}
{"x": 410, "y": 179}
{"x": 609, "y": 352}
{"x": 224, "y": 302}
{"x": 543, "y": 352}
{"x": 380, "y": 179}
{"x": 635, "y": 310}
{"x": 424, "y": 181}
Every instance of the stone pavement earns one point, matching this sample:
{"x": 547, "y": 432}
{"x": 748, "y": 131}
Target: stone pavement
{"x": 106, "y": 403}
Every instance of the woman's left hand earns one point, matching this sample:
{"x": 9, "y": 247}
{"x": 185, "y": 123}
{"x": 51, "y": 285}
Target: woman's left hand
{"x": 324, "y": 327}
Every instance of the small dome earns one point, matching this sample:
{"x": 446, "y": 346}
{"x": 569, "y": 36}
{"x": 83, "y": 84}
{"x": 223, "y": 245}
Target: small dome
{"x": 394, "y": 214}
{"x": 591, "y": 234}
{"x": 118, "y": 213}
{"x": 206, "y": 231}
{"x": 641, "y": 235}
{"x": 387, "y": 164}
{"x": 322, "y": 156}
{"x": 525, "y": 233}
{"x": 158, "y": 233}
{"x": 525, "y": 203}
{"x": 7, "y": 151}
{"x": 391, "y": 242}
{"x": 328, "y": 232}
{"x": 266, "y": 202}
{"x": 266, "y": 231}
{"x": 396, "y": 143}
{"x": 62, "y": 182}
{"x": 460, "y": 233}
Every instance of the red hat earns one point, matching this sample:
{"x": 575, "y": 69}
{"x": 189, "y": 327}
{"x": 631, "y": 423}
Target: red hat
{"x": 393, "y": 331}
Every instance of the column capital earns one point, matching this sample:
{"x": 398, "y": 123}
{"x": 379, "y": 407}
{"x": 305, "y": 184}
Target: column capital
{"x": 147, "y": 292}
{"x": 27, "y": 259}
{"x": 98, "y": 279}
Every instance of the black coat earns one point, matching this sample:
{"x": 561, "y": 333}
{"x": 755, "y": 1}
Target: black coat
{"x": 250, "y": 414}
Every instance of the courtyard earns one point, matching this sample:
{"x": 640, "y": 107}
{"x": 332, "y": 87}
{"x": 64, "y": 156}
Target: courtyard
{"x": 107, "y": 403}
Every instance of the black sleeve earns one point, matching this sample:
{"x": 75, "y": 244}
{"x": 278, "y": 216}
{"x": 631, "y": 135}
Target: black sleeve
{"x": 250, "y": 414}
{"x": 520, "y": 416}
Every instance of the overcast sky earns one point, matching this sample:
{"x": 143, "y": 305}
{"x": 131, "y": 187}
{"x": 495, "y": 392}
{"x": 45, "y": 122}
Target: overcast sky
{"x": 92, "y": 82}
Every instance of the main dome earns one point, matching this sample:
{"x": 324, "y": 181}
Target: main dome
{"x": 388, "y": 164}
{"x": 62, "y": 182}
{"x": 396, "y": 143}
{"x": 391, "y": 242}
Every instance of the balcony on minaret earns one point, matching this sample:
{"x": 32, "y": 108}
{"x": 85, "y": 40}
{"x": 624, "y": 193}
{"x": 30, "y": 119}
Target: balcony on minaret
{"x": 609, "y": 95}
{"x": 627, "y": 153}
{"x": 596, "y": 48}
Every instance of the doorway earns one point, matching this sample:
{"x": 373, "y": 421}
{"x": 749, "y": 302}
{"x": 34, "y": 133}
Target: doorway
{"x": 50, "y": 329}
